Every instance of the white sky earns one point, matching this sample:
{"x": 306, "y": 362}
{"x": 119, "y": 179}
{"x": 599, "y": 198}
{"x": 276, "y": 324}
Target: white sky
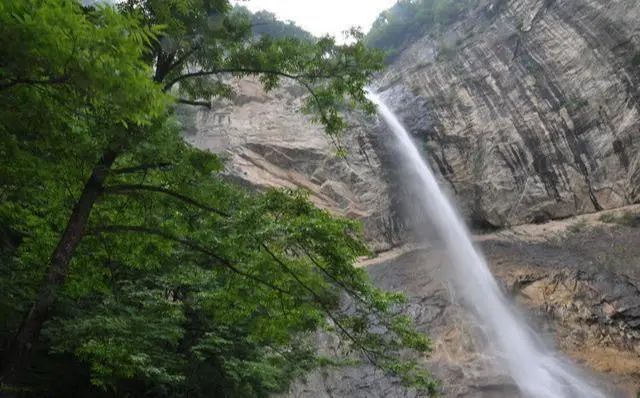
{"x": 322, "y": 17}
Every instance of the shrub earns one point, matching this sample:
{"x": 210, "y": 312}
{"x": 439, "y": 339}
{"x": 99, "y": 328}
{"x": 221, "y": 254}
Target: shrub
{"x": 578, "y": 226}
{"x": 409, "y": 20}
{"x": 627, "y": 218}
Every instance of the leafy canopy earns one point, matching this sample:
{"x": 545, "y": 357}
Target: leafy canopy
{"x": 182, "y": 284}
{"x": 71, "y": 81}
{"x": 408, "y": 20}
{"x": 265, "y": 23}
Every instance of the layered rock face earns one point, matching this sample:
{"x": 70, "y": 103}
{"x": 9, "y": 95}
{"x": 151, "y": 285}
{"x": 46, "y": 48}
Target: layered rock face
{"x": 579, "y": 291}
{"x": 580, "y": 287}
{"x": 528, "y": 109}
{"x": 268, "y": 143}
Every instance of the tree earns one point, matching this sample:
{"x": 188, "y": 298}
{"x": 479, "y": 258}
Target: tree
{"x": 408, "y": 20}
{"x": 127, "y": 250}
{"x": 67, "y": 77}
{"x": 265, "y": 23}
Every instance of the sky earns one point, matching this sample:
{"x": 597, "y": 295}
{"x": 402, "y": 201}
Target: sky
{"x": 322, "y": 17}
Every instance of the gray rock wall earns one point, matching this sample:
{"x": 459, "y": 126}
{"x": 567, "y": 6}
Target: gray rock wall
{"x": 528, "y": 109}
{"x": 268, "y": 143}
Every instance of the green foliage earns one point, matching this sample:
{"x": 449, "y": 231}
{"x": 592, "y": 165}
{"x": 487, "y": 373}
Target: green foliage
{"x": 225, "y": 46}
{"x": 265, "y": 23}
{"x": 409, "y": 20}
{"x": 626, "y": 218}
{"x": 73, "y": 82}
{"x": 578, "y": 226}
{"x": 182, "y": 283}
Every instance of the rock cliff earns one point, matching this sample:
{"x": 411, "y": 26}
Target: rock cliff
{"x": 578, "y": 278}
{"x": 268, "y": 143}
{"x": 528, "y": 109}
{"x": 579, "y": 291}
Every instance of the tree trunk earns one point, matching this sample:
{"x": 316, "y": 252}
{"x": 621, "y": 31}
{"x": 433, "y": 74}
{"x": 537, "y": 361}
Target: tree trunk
{"x": 16, "y": 358}
{"x": 163, "y": 66}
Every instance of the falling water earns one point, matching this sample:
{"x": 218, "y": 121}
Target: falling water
{"x": 536, "y": 370}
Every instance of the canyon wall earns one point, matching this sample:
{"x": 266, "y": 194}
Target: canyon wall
{"x": 267, "y": 142}
{"x": 528, "y": 109}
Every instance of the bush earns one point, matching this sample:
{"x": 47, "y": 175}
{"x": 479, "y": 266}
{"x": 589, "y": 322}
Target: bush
{"x": 627, "y": 218}
{"x": 577, "y": 227}
{"x": 265, "y": 23}
{"x": 575, "y": 104}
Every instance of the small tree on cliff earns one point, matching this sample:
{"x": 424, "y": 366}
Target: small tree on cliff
{"x": 122, "y": 246}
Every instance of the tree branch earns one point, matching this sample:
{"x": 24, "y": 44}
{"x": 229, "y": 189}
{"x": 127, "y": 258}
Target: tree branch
{"x": 187, "y": 243}
{"x": 127, "y": 188}
{"x": 342, "y": 285}
{"x": 142, "y": 167}
{"x": 335, "y": 280}
{"x": 182, "y": 58}
{"x": 15, "y": 82}
{"x": 325, "y": 309}
{"x": 299, "y": 78}
{"x": 245, "y": 71}
{"x": 194, "y": 103}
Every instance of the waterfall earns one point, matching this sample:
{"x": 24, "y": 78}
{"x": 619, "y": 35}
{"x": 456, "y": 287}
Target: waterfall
{"x": 537, "y": 371}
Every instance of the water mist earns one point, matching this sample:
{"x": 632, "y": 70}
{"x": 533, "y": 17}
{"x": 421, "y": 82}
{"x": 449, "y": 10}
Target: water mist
{"x": 537, "y": 371}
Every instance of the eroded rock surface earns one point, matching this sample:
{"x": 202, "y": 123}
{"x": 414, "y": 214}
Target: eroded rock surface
{"x": 528, "y": 109}
{"x": 269, "y": 143}
{"x": 572, "y": 283}
{"x": 458, "y": 359}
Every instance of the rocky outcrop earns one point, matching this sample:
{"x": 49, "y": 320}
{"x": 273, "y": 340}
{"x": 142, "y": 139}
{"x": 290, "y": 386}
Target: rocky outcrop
{"x": 458, "y": 360}
{"x": 268, "y": 143}
{"x": 579, "y": 279}
{"x": 528, "y": 109}
{"x": 577, "y": 289}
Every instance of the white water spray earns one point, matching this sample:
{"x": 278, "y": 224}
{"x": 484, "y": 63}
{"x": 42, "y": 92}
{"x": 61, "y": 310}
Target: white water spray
{"x": 537, "y": 372}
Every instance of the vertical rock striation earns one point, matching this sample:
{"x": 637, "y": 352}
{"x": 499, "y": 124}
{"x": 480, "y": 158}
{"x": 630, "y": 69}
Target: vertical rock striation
{"x": 528, "y": 109}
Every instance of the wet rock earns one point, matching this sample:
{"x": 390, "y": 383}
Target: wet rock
{"x": 535, "y": 113}
{"x": 534, "y": 117}
{"x": 589, "y": 315}
{"x": 459, "y": 360}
